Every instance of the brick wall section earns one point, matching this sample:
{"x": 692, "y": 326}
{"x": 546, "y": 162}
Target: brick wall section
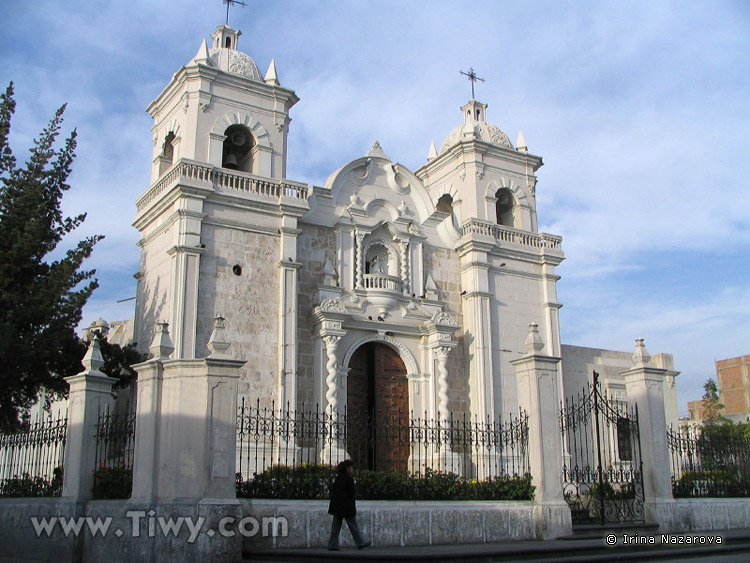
{"x": 734, "y": 384}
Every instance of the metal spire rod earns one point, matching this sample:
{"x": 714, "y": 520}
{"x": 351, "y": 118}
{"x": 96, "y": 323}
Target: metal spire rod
{"x": 229, "y": 3}
{"x": 471, "y": 75}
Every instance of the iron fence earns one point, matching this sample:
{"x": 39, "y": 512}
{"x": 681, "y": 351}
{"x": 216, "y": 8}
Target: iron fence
{"x": 31, "y": 459}
{"x": 386, "y": 441}
{"x": 711, "y": 461}
{"x": 115, "y": 447}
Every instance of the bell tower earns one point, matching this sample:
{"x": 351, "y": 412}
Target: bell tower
{"x": 508, "y": 278}
{"x": 219, "y": 213}
{"x": 218, "y": 109}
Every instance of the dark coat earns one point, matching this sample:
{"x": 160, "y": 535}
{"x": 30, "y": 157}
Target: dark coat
{"x": 343, "y": 495}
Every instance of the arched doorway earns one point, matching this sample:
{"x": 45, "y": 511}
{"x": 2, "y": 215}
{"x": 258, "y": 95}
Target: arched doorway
{"x": 377, "y": 408}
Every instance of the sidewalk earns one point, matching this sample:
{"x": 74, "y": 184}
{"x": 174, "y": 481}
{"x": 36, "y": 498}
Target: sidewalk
{"x": 633, "y": 548}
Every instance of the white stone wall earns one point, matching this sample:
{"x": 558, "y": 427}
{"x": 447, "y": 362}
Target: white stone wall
{"x": 248, "y": 302}
{"x": 579, "y": 362}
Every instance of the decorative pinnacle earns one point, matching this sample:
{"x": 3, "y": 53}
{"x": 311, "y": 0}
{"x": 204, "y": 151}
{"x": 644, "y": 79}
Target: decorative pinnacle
{"x": 534, "y": 342}
{"x": 641, "y": 357}
{"x": 93, "y": 360}
{"x": 218, "y": 342}
{"x": 161, "y": 346}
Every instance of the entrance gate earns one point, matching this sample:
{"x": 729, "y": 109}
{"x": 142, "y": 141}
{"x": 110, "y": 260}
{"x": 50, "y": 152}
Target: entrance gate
{"x": 603, "y": 471}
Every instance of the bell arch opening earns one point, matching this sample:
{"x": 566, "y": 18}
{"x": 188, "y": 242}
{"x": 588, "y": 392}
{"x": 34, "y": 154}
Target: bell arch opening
{"x": 504, "y": 207}
{"x": 377, "y": 408}
{"x": 237, "y": 149}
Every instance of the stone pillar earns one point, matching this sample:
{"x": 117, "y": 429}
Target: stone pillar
{"x": 360, "y": 261}
{"x": 148, "y": 408}
{"x": 645, "y": 388}
{"x": 444, "y": 412}
{"x": 89, "y": 391}
{"x": 186, "y": 423}
{"x": 405, "y": 288}
{"x": 539, "y": 396}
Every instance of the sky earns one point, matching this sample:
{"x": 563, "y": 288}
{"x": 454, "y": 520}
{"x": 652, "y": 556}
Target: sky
{"x": 640, "y": 110}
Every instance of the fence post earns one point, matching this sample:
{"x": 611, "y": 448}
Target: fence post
{"x": 187, "y": 422}
{"x": 644, "y": 384}
{"x": 539, "y": 396}
{"x": 89, "y": 390}
{"x": 148, "y": 389}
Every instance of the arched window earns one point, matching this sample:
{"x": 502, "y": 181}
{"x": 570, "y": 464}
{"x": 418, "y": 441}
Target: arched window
{"x": 445, "y": 203}
{"x": 167, "y": 149}
{"x": 166, "y": 158}
{"x": 228, "y": 43}
{"x": 236, "y": 153}
{"x": 504, "y": 207}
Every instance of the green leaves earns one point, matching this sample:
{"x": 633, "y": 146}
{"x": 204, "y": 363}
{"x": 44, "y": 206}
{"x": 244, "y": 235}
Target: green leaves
{"x": 310, "y": 481}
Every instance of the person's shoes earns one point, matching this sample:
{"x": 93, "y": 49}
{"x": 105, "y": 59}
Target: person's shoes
{"x": 334, "y": 549}
{"x": 364, "y": 545}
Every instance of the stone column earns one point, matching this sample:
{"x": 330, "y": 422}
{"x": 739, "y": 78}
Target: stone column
{"x": 89, "y": 391}
{"x": 406, "y": 290}
{"x": 331, "y": 343}
{"x": 442, "y": 380}
{"x": 539, "y": 396}
{"x": 360, "y": 261}
{"x": 334, "y": 449}
{"x": 645, "y": 387}
{"x": 186, "y": 426}
{"x": 148, "y": 407}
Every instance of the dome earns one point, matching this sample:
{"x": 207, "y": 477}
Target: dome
{"x": 476, "y": 127}
{"x": 237, "y": 62}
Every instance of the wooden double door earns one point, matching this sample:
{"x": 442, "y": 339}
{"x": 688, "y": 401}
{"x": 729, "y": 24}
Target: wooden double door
{"x": 378, "y": 408}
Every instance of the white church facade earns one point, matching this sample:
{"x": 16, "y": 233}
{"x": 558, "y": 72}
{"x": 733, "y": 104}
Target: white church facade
{"x": 388, "y": 289}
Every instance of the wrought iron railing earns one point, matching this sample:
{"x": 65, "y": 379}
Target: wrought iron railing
{"x": 31, "y": 459}
{"x": 115, "y": 447}
{"x": 709, "y": 461}
{"x": 395, "y": 441}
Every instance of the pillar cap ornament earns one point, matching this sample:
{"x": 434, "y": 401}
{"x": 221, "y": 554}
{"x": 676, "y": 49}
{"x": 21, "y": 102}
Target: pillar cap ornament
{"x": 641, "y": 357}
{"x": 534, "y": 343}
{"x": 161, "y": 346}
{"x": 93, "y": 360}
{"x": 218, "y": 343}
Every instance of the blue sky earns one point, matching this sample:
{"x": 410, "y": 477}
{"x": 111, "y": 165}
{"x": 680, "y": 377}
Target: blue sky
{"x": 639, "y": 109}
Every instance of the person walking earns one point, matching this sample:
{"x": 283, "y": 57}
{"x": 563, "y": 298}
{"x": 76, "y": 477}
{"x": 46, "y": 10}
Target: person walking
{"x": 343, "y": 506}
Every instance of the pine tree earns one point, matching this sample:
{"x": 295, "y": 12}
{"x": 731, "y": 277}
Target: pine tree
{"x": 40, "y": 298}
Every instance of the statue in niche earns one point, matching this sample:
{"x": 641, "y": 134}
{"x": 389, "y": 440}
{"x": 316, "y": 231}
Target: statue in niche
{"x": 378, "y": 263}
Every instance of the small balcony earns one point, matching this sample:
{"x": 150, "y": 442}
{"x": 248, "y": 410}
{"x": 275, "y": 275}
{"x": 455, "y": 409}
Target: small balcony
{"x": 381, "y": 282}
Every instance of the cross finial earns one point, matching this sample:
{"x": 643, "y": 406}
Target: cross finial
{"x": 229, "y": 3}
{"x": 472, "y": 76}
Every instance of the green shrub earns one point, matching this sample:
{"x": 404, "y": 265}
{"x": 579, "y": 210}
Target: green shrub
{"x": 726, "y": 482}
{"x": 310, "y": 481}
{"x": 28, "y": 486}
{"x": 113, "y": 482}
